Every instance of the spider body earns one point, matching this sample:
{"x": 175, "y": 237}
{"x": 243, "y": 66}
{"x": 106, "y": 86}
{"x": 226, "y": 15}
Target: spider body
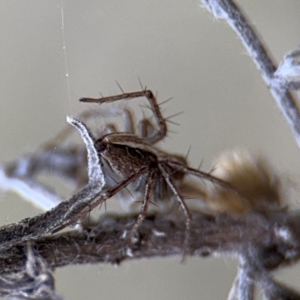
{"x": 126, "y": 154}
{"x": 125, "y": 158}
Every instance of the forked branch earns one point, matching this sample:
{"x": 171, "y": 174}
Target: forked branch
{"x": 278, "y": 80}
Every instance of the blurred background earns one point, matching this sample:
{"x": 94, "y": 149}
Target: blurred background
{"x": 177, "y": 49}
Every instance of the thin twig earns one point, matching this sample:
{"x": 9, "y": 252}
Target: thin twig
{"x": 228, "y": 10}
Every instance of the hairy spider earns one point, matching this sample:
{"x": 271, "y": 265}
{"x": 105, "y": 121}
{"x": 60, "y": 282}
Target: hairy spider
{"x": 153, "y": 172}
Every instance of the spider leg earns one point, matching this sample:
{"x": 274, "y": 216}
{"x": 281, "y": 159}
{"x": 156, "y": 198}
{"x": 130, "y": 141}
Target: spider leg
{"x": 125, "y": 113}
{"x": 201, "y": 174}
{"x": 145, "y": 128}
{"x": 82, "y": 207}
{"x": 180, "y": 199}
{"x": 162, "y": 126}
{"x": 143, "y": 212}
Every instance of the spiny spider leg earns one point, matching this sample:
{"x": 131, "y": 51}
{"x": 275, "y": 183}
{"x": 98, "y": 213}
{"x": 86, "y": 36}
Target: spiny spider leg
{"x": 156, "y": 136}
{"x": 147, "y": 196}
{"x": 201, "y": 174}
{"x": 83, "y": 208}
{"x": 145, "y": 128}
{"x": 180, "y": 199}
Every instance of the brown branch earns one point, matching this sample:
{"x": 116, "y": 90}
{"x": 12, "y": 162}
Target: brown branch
{"x": 273, "y": 240}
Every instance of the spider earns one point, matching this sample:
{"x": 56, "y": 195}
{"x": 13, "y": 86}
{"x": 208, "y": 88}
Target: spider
{"x": 137, "y": 160}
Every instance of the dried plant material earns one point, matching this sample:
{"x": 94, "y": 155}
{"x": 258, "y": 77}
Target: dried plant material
{"x": 279, "y": 87}
{"x": 288, "y": 72}
{"x": 259, "y": 186}
{"x": 34, "y": 281}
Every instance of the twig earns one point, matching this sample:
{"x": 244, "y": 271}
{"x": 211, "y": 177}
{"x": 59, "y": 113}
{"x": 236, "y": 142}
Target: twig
{"x": 161, "y": 235}
{"x": 228, "y": 10}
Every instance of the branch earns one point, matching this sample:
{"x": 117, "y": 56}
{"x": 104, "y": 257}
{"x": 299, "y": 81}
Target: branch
{"x": 271, "y": 240}
{"x": 279, "y": 82}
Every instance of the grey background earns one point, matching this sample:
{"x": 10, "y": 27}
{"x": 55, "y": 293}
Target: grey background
{"x": 175, "y": 48}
